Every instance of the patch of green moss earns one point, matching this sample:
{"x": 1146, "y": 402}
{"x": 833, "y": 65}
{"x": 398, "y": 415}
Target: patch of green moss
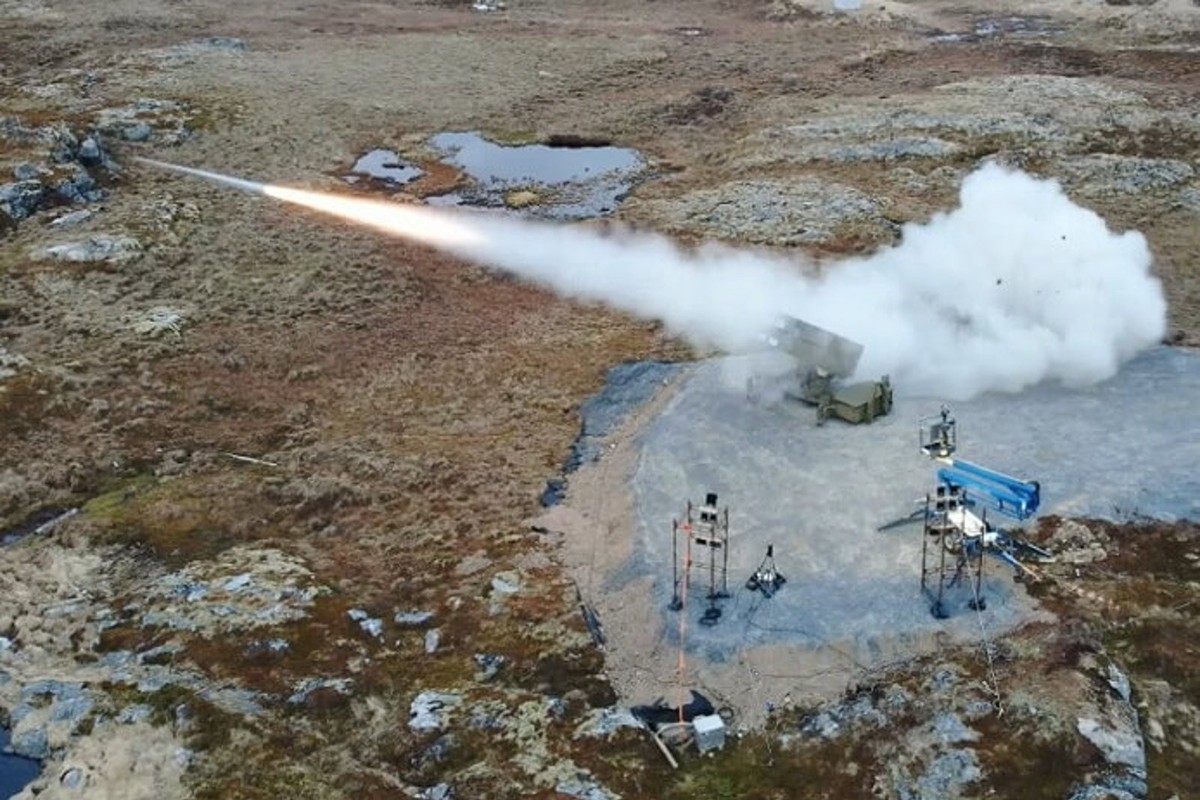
{"x": 405, "y": 675}
{"x": 293, "y": 760}
{"x": 183, "y": 519}
{"x": 759, "y": 768}
{"x": 208, "y": 113}
{"x": 513, "y": 138}
{"x": 111, "y": 504}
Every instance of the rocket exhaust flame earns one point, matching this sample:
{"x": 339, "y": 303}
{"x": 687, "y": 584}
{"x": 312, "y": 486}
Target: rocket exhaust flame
{"x": 1016, "y": 286}
{"x": 398, "y": 219}
{"x": 411, "y": 222}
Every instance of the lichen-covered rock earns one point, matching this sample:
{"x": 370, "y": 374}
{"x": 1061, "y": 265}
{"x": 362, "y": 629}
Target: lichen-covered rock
{"x": 372, "y": 626}
{"x": 245, "y": 588}
{"x": 1119, "y": 682}
{"x": 138, "y": 131}
{"x": 73, "y": 218}
{"x": 506, "y": 583}
{"x": 1043, "y": 114}
{"x": 79, "y": 188}
{"x": 189, "y": 51}
{"x": 949, "y": 774}
{"x": 90, "y": 152}
{"x": 72, "y": 779}
{"x": 31, "y": 743}
{"x": 310, "y": 685}
{"x": 28, "y": 172}
{"x": 1119, "y": 743}
{"x": 430, "y": 710}
{"x": 606, "y": 721}
{"x": 1105, "y": 174}
{"x": 11, "y": 363}
{"x": 489, "y": 665}
{"x": 22, "y": 199}
{"x": 799, "y": 211}
{"x": 838, "y": 719}
{"x": 440, "y": 791}
{"x": 102, "y": 247}
{"x": 504, "y": 586}
{"x": 159, "y": 320}
{"x": 584, "y": 787}
{"x": 950, "y": 729}
{"x": 1076, "y": 543}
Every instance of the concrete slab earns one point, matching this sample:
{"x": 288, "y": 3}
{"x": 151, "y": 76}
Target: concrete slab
{"x": 1124, "y": 449}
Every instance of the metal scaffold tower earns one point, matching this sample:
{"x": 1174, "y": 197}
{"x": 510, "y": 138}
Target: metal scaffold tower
{"x": 956, "y": 519}
{"x": 704, "y": 532}
{"x": 948, "y": 552}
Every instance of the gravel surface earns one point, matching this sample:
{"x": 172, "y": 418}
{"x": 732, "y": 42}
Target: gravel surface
{"x": 1125, "y": 449}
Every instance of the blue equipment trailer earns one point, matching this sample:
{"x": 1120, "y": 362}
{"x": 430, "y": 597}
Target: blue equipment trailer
{"x": 985, "y": 488}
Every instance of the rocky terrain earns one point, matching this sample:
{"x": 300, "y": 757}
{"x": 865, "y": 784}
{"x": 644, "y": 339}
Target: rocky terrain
{"x": 268, "y": 482}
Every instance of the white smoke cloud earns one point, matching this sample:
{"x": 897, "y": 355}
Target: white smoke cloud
{"x": 1016, "y": 286}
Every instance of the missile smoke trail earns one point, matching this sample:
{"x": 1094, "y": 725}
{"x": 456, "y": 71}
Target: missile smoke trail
{"x": 414, "y": 222}
{"x": 1016, "y": 286}
{"x": 215, "y": 177}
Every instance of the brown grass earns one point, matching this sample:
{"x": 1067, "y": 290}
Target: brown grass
{"x": 27, "y": 401}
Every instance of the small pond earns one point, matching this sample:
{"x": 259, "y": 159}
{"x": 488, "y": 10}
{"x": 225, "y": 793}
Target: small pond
{"x": 563, "y": 178}
{"x": 15, "y": 771}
